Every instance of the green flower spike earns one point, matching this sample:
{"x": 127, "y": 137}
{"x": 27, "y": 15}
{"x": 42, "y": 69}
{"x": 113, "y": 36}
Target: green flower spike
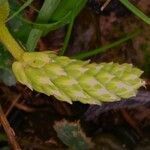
{"x": 69, "y": 79}
{"x": 75, "y": 80}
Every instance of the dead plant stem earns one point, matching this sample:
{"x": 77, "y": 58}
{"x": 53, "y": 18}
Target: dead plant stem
{"x": 9, "y": 131}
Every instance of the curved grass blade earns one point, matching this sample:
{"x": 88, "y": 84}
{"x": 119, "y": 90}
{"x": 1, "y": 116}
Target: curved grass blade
{"x": 38, "y": 31}
{"x": 49, "y": 26}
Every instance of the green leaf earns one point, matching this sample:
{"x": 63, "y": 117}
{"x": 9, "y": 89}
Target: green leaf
{"x": 19, "y": 28}
{"x": 44, "y": 15}
{"x": 65, "y": 6}
{"x": 56, "y": 16}
{"x": 71, "y": 134}
{"x": 5, "y": 57}
{"x": 49, "y": 6}
{"x": 6, "y": 74}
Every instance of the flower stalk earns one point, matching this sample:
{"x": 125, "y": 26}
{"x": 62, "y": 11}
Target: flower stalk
{"x": 12, "y": 46}
{"x": 5, "y": 37}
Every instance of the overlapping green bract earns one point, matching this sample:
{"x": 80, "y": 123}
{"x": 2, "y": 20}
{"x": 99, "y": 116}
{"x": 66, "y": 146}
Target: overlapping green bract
{"x": 75, "y": 80}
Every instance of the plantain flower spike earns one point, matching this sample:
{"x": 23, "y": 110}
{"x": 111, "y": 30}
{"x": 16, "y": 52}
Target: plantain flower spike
{"x": 69, "y": 79}
{"x": 75, "y": 80}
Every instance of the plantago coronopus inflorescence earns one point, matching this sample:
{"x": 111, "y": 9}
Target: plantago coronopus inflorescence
{"x": 75, "y": 80}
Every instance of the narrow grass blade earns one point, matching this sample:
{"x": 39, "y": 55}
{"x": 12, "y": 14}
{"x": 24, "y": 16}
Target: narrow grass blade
{"x": 67, "y": 38}
{"x": 90, "y": 53}
{"x": 78, "y": 6}
{"x": 136, "y": 11}
{"x": 27, "y": 3}
{"x": 49, "y": 26}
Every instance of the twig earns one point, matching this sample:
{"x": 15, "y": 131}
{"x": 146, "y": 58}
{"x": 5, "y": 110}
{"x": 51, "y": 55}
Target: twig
{"x": 105, "y": 4}
{"x": 9, "y": 131}
{"x": 130, "y": 121}
{"x": 13, "y": 102}
{"x": 21, "y": 106}
{"x": 25, "y": 108}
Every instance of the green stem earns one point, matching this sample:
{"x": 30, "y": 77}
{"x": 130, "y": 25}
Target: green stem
{"x": 12, "y": 46}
